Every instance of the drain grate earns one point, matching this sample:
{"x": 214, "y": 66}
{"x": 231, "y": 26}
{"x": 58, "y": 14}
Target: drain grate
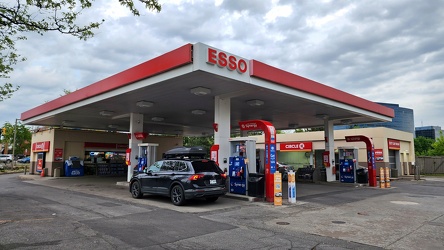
{"x": 283, "y": 223}
{"x": 338, "y": 222}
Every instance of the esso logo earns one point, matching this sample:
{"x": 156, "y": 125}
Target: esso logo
{"x": 224, "y": 60}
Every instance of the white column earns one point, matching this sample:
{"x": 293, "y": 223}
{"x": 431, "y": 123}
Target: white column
{"x": 330, "y": 146}
{"x": 136, "y": 125}
{"x": 222, "y": 118}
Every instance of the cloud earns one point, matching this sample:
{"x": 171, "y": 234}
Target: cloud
{"x": 384, "y": 51}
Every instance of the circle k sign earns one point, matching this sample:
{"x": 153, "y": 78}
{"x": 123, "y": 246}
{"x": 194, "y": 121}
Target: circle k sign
{"x": 296, "y": 146}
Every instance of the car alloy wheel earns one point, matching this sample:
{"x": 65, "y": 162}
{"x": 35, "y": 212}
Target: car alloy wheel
{"x": 135, "y": 190}
{"x": 177, "y": 195}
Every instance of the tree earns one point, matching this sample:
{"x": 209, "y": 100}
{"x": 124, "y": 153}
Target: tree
{"x": 423, "y": 145}
{"x": 40, "y": 16}
{"x": 22, "y": 138}
{"x": 205, "y": 141}
{"x": 438, "y": 147}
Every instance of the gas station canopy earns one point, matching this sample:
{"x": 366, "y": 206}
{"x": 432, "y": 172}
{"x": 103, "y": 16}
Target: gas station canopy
{"x": 176, "y": 94}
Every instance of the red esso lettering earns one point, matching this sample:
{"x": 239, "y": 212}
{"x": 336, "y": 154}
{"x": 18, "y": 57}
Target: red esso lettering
{"x": 222, "y": 60}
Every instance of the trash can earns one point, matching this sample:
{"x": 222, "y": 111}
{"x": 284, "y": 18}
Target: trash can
{"x": 57, "y": 172}
{"x": 361, "y": 175}
{"x": 256, "y": 185}
{"x": 394, "y": 173}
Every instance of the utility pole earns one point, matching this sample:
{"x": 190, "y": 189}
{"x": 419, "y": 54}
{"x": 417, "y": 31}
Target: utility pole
{"x": 13, "y": 144}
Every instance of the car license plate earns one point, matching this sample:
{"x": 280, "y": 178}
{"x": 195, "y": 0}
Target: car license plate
{"x": 212, "y": 181}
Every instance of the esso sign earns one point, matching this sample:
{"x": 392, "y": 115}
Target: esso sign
{"x": 225, "y": 60}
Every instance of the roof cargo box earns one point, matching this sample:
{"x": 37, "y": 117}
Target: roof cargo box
{"x": 186, "y": 152}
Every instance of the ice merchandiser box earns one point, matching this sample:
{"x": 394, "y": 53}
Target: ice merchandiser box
{"x": 74, "y": 167}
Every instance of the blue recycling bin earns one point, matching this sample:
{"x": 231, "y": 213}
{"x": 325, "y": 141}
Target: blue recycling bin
{"x": 74, "y": 168}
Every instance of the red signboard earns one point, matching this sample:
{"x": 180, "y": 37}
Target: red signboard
{"x": 39, "y": 164}
{"x": 140, "y": 135}
{"x": 296, "y": 146}
{"x": 58, "y": 154}
{"x": 394, "y": 144}
{"x": 40, "y": 146}
{"x": 379, "y": 155}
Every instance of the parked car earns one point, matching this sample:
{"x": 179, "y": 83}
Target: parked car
{"x": 25, "y": 160}
{"x": 181, "y": 179}
{"x": 19, "y": 156}
{"x": 6, "y": 158}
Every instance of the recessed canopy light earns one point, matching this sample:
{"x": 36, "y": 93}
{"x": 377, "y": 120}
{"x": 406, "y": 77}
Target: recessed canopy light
{"x": 106, "y": 113}
{"x": 346, "y": 121}
{"x": 322, "y": 116}
{"x": 157, "y": 119}
{"x": 255, "y": 103}
{"x": 144, "y": 104}
{"x": 67, "y": 123}
{"x": 198, "y": 112}
{"x": 200, "y": 91}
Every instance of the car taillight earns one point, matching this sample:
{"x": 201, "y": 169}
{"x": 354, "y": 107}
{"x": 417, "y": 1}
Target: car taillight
{"x": 195, "y": 177}
{"x": 224, "y": 175}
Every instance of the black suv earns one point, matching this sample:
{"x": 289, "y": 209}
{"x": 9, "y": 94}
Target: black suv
{"x": 183, "y": 174}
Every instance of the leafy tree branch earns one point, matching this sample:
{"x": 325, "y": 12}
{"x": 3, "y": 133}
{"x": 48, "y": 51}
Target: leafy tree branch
{"x": 39, "y": 16}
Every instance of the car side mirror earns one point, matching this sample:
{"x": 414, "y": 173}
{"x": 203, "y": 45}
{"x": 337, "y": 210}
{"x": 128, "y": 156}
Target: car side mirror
{"x": 225, "y": 170}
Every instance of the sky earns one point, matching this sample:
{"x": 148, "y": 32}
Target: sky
{"x": 383, "y": 51}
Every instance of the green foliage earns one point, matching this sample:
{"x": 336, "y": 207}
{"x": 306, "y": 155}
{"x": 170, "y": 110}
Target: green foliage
{"x": 303, "y": 130}
{"x": 22, "y": 137}
{"x": 206, "y": 142}
{"x": 40, "y": 16}
{"x": 6, "y": 90}
{"x": 438, "y": 147}
{"x": 423, "y": 145}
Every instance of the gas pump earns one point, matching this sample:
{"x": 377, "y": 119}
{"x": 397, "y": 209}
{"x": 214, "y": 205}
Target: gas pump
{"x": 242, "y": 162}
{"x": 146, "y": 157}
{"x": 348, "y": 158}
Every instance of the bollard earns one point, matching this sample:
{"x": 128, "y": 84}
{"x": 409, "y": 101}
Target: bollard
{"x": 291, "y": 186}
{"x": 381, "y": 178}
{"x": 387, "y": 177}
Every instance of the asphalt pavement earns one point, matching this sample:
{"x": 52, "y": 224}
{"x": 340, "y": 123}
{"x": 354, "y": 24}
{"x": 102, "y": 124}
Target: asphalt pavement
{"x": 409, "y": 215}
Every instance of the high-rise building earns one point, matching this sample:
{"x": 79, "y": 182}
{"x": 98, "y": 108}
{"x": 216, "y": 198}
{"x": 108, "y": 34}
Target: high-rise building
{"x": 402, "y": 121}
{"x": 432, "y": 132}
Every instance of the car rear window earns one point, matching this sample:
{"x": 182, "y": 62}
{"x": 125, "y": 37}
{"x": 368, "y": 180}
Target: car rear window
{"x": 205, "y": 166}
